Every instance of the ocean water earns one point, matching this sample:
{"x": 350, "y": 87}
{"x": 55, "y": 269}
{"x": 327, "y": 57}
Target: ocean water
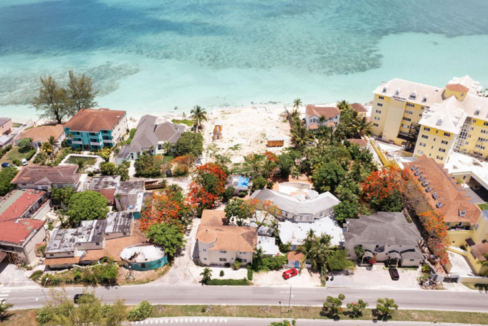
{"x": 154, "y": 55}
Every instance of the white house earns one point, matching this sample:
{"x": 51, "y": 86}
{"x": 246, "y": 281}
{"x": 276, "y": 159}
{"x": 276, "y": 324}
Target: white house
{"x": 331, "y": 116}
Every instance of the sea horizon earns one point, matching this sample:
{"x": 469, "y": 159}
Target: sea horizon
{"x": 150, "y": 57}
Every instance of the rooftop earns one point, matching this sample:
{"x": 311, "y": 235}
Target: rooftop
{"x": 47, "y": 175}
{"x": 94, "y": 120}
{"x": 105, "y": 182}
{"x": 17, "y": 232}
{"x": 318, "y": 110}
{"x": 295, "y": 233}
{"x": 142, "y": 253}
{"x": 17, "y": 202}
{"x": 359, "y": 108}
{"x": 4, "y": 120}
{"x": 444, "y": 195}
{"x": 226, "y": 237}
{"x": 42, "y": 133}
{"x": 360, "y": 142}
{"x": 118, "y": 222}
{"x": 382, "y": 228}
{"x": 65, "y": 240}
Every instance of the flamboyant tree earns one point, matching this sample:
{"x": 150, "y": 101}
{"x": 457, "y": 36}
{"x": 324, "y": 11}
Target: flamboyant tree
{"x": 163, "y": 208}
{"x": 207, "y": 186}
{"x": 271, "y": 163}
{"x": 383, "y": 189}
{"x": 438, "y": 242}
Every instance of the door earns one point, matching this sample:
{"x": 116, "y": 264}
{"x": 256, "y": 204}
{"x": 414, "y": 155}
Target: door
{"x": 297, "y": 264}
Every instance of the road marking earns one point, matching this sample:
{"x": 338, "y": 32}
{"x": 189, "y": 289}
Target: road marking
{"x": 3, "y": 295}
{"x": 6, "y": 291}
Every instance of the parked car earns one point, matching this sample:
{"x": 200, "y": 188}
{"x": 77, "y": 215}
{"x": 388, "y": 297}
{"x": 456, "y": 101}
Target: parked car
{"x": 6, "y": 165}
{"x": 290, "y": 273}
{"x": 395, "y": 276}
{"x": 24, "y": 162}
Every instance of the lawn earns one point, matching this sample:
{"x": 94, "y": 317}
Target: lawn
{"x": 187, "y": 122}
{"x": 16, "y": 125}
{"x": 168, "y": 157}
{"x": 483, "y": 206}
{"x": 14, "y": 154}
{"x": 88, "y": 160}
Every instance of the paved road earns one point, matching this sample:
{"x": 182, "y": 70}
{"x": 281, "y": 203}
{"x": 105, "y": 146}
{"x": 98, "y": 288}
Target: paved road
{"x": 187, "y": 321}
{"x": 24, "y": 298}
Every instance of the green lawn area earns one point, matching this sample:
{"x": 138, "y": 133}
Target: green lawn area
{"x": 14, "y": 154}
{"x": 187, "y": 122}
{"x": 88, "y": 160}
{"x": 168, "y": 157}
{"x": 16, "y": 125}
{"x": 483, "y": 206}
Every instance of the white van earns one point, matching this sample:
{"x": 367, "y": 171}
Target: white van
{"x": 24, "y": 162}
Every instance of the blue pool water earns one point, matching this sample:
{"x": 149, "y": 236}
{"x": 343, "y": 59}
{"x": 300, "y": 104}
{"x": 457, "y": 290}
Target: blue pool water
{"x": 150, "y": 56}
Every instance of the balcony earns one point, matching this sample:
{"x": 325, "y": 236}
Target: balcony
{"x": 77, "y": 142}
{"x": 95, "y": 143}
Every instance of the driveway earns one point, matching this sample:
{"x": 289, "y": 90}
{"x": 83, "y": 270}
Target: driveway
{"x": 306, "y": 278}
{"x": 376, "y": 277}
{"x": 11, "y": 276}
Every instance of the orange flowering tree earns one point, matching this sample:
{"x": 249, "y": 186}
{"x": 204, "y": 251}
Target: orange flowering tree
{"x": 383, "y": 189}
{"x": 267, "y": 208}
{"x": 438, "y": 242}
{"x": 163, "y": 208}
{"x": 271, "y": 163}
{"x": 207, "y": 186}
{"x": 181, "y": 165}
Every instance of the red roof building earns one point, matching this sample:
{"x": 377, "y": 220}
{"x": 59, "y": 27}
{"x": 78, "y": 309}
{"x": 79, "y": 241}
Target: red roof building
{"x": 21, "y": 204}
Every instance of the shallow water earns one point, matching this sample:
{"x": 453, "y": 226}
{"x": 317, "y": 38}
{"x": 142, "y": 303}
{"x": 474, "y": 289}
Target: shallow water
{"x": 150, "y": 56}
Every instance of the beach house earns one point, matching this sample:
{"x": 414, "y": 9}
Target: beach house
{"x": 320, "y": 115}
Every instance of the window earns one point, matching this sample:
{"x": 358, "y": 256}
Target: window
{"x": 376, "y": 125}
{"x": 97, "y": 243}
{"x": 442, "y": 150}
{"x": 244, "y": 260}
{"x": 377, "y": 118}
{"x": 204, "y": 250}
{"x": 204, "y": 258}
{"x": 484, "y": 131}
{"x": 440, "y": 158}
{"x": 51, "y": 255}
{"x": 420, "y": 152}
{"x": 379, "y": 104}
{"x": 410, "y": 105}
{"x": 422, "y": 144}
{"x": 480, "y": 146}
{"x": 222, "y": 259}
{"x": 426, "y": 129}
{"x": 464, "y": 177}
{"x": 407, "y": 119}
{"x": 485, "y": 123}
{"x": 381, "y": 97}
{"x": 409, "y": 112}
{"x": 482, "y": 139}
{"x": 446, "y": 134}
{"x": 474, "y": 120}
{"x": 378, "y": 111}
{"x": 223, "y": 251}
{"x": 444, "y": 142}
{"x": 425, "y": 137}
{"x": 143, "y": 265}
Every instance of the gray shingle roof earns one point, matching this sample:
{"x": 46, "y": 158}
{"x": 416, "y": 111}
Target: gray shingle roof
{"x": 291, "y": 204}
{"x": 149, "y": 133}
{"x": 382, "y": 228}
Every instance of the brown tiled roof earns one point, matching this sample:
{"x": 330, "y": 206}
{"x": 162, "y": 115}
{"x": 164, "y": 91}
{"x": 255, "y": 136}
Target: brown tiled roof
{"x": 451, "y": 196}
{"x": 360, "y": 142}
{"x": 17, "y": 233}
{"x": 295, "y": 255}
{"x": 480, "y": 250}
{"x": 457, "y": 88}
{"x": 46, "y": 175}
{"x": 61, "y": 261}
{"x": 42, "y": 133}
{"x": 108, "y": 193}
{"x": 330, "y": 124}
{"x": 359, "y": 108}
{"x": 313, "y": 126}
{"x": 94, "y": 120}
{"x": 326, "y": 111}
{"x": 226, "y": 237}
{"x": 92, "y": 255}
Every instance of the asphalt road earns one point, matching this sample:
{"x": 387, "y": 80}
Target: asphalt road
{"x": 265, "y": 322}
{"x": 24, "y": 298}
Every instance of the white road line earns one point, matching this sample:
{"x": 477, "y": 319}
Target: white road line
{"x": 3, "y": 295}
{"x": 6, "y": 291}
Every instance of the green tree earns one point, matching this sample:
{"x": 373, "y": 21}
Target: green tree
{"x": 6, "y": 176}
{"x": 349, "y": 190}
{"x": 343, "y": 105}
{"x": 206, "y": 275}
{"x": 167, "y": 235}
{"x": 315, "y": 249}
{"x": 297, "y": 103}
{"x": 328, "y": 177}
{"x": 359, "y": 251}
{"x": 385, "y": 308}
{"x": 356, "y": 308}
{"x": 332, "y": 306}
{"x": 87, "y": 205}
{"x": 346, "y": 210}
{"x": 228, "y": 193}
{"x": 62, "y": 196}
{"x": 300, "y": 134}
{"x": 106, "y": 273}
{"x": 4, "y": 310}
{"x": 141, "y": 312}
{"x": 189, "y": 144}
{"x": 338, "y": 261}
{"x": 81, "y": 165}
{"x": 258, "y": 183}
{"x": 25, "y": 145}
{"x": 147, "y": 166}
{"x": 52, "y": 100}
{"x": 282, "y": 323}
{"x": 255, "y": 163}
{"x": 239, "y": 209}
{"x": 286, "y": 164}
{"x": 116, "y": 315}
{"x": 362, "y": 124}
{"x": 80, "y": 93}
{"x": 198, "y": 114}
{"x": 108, "y": 168}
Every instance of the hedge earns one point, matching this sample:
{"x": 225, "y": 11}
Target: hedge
{"x": 243, "y": 281}
{"x": 249, "y": 273}
{"x": 30, "y": 155}
{"x": 5, "y": 150}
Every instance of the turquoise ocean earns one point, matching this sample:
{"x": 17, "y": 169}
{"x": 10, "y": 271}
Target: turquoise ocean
{"x": 149, "y": 56}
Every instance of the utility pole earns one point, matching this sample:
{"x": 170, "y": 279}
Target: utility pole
{"x": 47, "y": 279}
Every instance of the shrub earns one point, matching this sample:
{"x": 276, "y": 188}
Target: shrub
{"x": 40, "y": 158}
{"x": 243, "y": 281}
{"x": 237, "y": 264}
{"x": 44, "y": 315}
{"x": 36, "y": 275}
{"x": 221, "y": 273}
{"x": 17, "y": 162}
{"x": 141, "y": 312}
{"x": 242, "y": 194}
{"x": 258, "y": 183}
{"x": 249, "y": 272}
{"x": 228, "y": 193}
{"x": 227, "y": 265}
{"x": 41, "y": 249}
{"x": 77, "y": 275}
{"x": 91, "y": 174}
{"x": 5, "y": 150}
{"x": 30, "y": 155}
{"x": 269, "y": 184}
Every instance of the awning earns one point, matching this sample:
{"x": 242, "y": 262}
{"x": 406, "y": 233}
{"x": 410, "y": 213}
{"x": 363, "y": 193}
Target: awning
{"x": 368, "y": 254}
{"x": 394, "y": 255}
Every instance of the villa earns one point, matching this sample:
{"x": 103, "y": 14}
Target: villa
{"x": 151, "y": 137}
{"x": 94, "y": 129}
{"x": 41, "y": 134}
{"x": 317, "y": 116}
{"x": 430, "y": 120}
{"x": 5, "y": 126}
{"x": 47, "y": 177}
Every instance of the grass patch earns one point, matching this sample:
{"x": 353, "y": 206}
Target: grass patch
{"x": 16, "y": 125}
{"x": 187, "y": 122}
{"x": 152, "y": 276}
{"x": 29, "y": 128}
{"x": 15, "y": 154}
{"x": 168, "y": 157}
{"x": 21, "y": 318}
{"x": 483, "y": 206}
{"x": 88, "y": 160}
{"x": 244, "y": 281}
{"x": 479, "y": 287}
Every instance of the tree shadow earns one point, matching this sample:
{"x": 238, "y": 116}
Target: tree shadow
{"x": 380, "y": 317}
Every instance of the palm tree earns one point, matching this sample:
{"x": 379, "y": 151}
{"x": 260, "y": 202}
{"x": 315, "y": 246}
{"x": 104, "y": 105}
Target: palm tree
{"x": 167, "y": 147}
{"x": 300, "y": 135}
{"x": 4, "y": 307}
{"x": 297, "y": 103}
{"x": 198, "y": 114}
{"x": 362, "y": 124}
{"x": 52, "y": 141}
{"x": 81, "y": 164}
{"x": 322, "y": 119}
{"x": 315, "y": 249}
{"x": 254, "y": 162}
{"x": 206, "y": 275}
{"x": 343, "y": 105}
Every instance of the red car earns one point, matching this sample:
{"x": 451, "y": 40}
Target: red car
{"x": 290, "y": 273}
